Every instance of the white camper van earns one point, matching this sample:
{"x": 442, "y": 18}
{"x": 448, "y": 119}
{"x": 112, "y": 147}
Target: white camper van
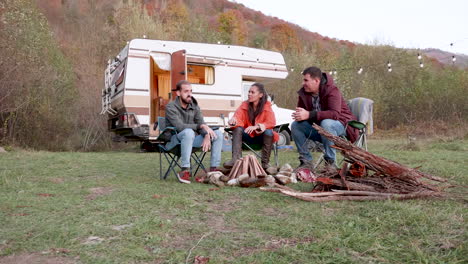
{"x": 139, "y": 82}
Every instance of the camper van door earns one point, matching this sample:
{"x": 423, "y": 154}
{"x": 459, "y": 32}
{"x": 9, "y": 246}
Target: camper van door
{"x": 178, "y": 69}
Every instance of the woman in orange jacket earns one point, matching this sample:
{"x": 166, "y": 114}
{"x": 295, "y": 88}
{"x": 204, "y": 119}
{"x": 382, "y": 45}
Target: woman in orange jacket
{"x": 253, "y": 123}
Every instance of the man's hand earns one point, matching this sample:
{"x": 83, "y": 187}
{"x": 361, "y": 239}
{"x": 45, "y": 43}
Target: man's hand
{"x": 206, "y": 144}
{"x": 209, "y": 131}
{"x": 300, "y": 114}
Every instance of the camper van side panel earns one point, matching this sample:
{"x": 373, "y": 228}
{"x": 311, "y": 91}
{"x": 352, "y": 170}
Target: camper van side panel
{"x": 136, "y": 94}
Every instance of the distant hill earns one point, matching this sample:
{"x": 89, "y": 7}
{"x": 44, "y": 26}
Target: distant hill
{"x": 445, "y": 57}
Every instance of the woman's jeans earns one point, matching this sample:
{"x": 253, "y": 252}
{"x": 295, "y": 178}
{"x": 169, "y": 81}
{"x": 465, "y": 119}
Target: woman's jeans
{"x": 303, "y": 130}
{"x": 255, "y": 140}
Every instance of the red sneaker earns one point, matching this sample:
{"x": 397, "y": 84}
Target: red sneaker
{"x": 184, "y": 176}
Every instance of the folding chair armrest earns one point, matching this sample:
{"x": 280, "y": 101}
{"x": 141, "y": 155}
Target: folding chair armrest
{"x": 356, "y": 124}
{"x": 280, "y": 127}
{"x": 173, "y": 130}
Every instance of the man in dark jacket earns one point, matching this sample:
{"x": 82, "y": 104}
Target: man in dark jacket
{"x": 322, "y": 103}
{"x": 185, "y": 115}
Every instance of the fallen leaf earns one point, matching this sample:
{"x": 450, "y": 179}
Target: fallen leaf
{"x": 20, "y": 214}
{"x": 93, "y": 240}
{"x": 157, "y": 196}
{"x": 60, "y": 250}
{"x": 46, "y": 194}
{"x": 121, "y": 227}
{"x": 201, "y": 260}
{"x": 213, "y": 189}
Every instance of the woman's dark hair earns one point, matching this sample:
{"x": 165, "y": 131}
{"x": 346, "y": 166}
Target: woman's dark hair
{"x": 254, "y": 113}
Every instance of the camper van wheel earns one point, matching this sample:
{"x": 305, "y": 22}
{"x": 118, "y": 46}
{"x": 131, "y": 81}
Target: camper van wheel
{"x": 284, "y": 138}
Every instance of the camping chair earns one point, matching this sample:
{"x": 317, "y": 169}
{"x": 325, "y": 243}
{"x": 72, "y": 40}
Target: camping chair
{"x": 255, "y": 148}
{"x": 172, "y": 155}
{"x": 361, "y": 141}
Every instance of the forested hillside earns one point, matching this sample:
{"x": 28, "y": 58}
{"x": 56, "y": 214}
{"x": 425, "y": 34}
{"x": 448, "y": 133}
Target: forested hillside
{"x": 53, "y": 54}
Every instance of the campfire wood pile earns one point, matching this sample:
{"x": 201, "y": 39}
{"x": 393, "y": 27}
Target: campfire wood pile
{"x": 369, "y": 178}
{"x": 247, "y": 172}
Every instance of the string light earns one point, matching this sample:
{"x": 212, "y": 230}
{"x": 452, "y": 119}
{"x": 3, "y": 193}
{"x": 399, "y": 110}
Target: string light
{"x": 219, "y": 42}
{"x": 292, "y": 69}
{"x": 400, "y": 60}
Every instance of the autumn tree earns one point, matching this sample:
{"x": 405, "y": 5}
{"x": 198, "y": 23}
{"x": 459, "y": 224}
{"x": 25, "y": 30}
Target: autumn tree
{"x": 284, "y": 38}
{"x": 232, "y": 27}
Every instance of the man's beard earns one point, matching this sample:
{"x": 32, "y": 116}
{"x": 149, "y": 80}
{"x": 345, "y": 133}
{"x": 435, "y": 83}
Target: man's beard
{"x": 187, "y": 100}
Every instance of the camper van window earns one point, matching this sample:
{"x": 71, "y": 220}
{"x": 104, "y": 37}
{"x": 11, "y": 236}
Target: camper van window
{"x": 200, "y": 74}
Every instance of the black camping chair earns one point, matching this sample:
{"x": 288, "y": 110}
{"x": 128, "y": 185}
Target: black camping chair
{"x": 360, "y": 142}
{"x": 172, "y": 155}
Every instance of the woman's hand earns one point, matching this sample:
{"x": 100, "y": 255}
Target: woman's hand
{"x": 251, "y": 129}
{"x": 232, "y": 121}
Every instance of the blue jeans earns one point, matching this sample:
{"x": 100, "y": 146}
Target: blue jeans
{"x": 189, "y": 140}
{"x": 255, "y": 140}
{"x": 303, "y": 130}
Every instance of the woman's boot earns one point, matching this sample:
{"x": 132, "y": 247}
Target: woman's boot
{"x": 236, "y": 147}
{"x": 266, "y": 151}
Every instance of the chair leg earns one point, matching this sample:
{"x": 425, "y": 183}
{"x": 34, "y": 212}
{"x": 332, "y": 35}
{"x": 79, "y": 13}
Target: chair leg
{"x": 199, "y": 161}
{"x": 275, "y": 152}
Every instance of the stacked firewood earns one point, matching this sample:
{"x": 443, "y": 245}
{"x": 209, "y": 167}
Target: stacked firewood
{"x": 247, "y": 172}
{"x": 365, "y": 176}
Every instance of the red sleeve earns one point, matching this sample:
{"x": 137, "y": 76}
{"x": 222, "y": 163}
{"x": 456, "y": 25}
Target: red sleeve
{"x": 267, "y": 117}
{"x": 241, "y": 117}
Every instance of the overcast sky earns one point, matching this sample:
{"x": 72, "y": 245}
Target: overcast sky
{"x": 401, "y": 23}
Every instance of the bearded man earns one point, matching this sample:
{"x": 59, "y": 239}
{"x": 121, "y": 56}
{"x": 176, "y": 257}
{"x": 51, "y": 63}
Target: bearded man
{"x": 192, "y": 132}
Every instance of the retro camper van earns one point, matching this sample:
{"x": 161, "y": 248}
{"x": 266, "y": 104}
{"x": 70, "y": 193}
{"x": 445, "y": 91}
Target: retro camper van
{"x": 139, "y": 82}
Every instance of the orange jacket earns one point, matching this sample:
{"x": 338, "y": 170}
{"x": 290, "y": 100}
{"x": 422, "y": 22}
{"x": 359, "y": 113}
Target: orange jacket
{"x": 266, "y": 118}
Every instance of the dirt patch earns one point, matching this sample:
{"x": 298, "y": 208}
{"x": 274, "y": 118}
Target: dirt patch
{"x": 57, "y": 180}
{"x": 214, "y": 220}
{"x": 27, "y": 258}
{"x": 98, "y": 191}
{"x": 272, "y": 245}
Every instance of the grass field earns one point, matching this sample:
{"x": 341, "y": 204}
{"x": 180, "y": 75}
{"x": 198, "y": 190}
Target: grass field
{"x": 52, "y": 204}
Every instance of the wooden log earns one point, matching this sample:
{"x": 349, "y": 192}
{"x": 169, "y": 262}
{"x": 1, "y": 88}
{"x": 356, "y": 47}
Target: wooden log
{"x": 379, "y": 164}
{"x": 365, "y": 198}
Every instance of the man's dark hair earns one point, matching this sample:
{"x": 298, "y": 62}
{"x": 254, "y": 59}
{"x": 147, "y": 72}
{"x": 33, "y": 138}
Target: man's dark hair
{"x": 254, "y": 113}
{"x": 180, "y": 83}
{"x": 314, "y": 72}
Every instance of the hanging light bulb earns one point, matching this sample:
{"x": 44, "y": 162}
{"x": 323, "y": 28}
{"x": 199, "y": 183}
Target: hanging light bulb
{"x": 292, "y": 69}
{"x": 334, "y": 72}
{"x": 419, "y": 56}
{"x": 389, "y": 69}
{"x": 454, "y": 59}
{"x": 219, "y": 42}
{"x": 421, "y": 64}
{"x": 144, "y": 36}
{"x": 360, "y": 70}
{"x": 331, "y": 73}
{"x": 389, "y": 64}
